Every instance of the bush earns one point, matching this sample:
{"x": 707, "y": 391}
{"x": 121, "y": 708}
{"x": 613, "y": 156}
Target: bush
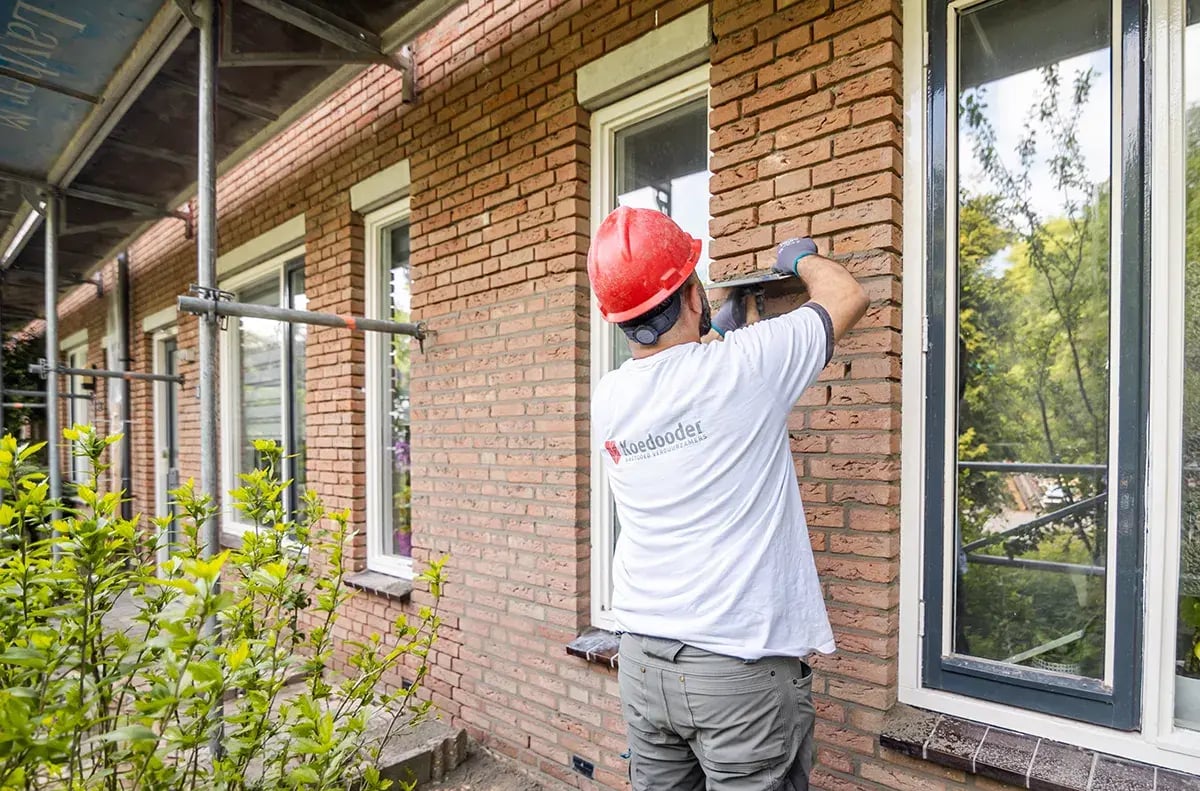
{"x": 85, "y": 705}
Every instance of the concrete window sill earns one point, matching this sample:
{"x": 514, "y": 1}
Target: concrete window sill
{"x": 1016, "y": 758}
{"x": 396, "y": 589}
{"x": 596, "y": 645}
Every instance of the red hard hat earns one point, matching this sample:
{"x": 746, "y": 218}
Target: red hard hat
{"x": 638, "y": 258}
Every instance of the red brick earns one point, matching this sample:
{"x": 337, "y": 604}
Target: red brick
{"x": 741, "y": 16}
{"x": 858, "y": 165}
{"x": 797, "y": 87}
{"x": 855, "y": 14}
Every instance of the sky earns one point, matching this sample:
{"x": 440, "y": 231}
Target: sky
{"x": 1009, "y": 102}
{"x": 1191, "y": 65}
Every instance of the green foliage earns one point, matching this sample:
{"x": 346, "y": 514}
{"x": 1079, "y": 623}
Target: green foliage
{"x": 88, "y": 702}
{"x": 19, "y": 353}
{"x": 1189, "y": 603}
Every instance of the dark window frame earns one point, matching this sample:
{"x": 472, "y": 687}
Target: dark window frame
{"x": 292, "y": 496}
{"x": 1087, "y": 700}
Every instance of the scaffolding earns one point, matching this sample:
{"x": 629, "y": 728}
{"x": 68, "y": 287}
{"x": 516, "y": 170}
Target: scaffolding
{"x": 342, "y": 41}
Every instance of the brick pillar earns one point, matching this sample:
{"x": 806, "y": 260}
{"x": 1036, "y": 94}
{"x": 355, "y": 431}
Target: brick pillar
{"x": 806, "y": 137}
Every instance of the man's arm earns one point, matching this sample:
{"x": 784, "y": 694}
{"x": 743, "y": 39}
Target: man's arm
{"x": 791, "y": 350}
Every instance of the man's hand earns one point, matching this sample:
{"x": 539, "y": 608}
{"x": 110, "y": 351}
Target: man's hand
{"x": 738, "y": 310}
{"x": 789, "y": 254}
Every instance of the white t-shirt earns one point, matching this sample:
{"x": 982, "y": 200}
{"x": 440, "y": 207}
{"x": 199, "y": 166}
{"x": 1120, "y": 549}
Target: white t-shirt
{"x": 714, "y": 548}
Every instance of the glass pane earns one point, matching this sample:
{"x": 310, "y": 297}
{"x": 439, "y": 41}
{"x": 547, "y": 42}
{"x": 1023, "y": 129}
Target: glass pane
{"x": 260, "y": 345}
{"x": 662, "y": 163}
{"x": 1033, "y": 253}
{"x": 297, "y": 335}
{"x": 1187, "y": 668}
{"x": 398, "y": 538}
{"x": 79, "y": 410}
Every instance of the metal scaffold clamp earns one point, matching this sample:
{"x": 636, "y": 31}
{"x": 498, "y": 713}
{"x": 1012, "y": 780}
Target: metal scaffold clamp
{"x": 212, "y": 295}
{"x": 41, "y": 368}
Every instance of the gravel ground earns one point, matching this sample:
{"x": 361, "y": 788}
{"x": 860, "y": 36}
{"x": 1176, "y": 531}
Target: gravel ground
{"x": 482, "y": 772}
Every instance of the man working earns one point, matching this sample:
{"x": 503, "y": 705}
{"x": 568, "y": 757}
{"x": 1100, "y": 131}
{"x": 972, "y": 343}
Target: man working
{"x": 714, "y": 587}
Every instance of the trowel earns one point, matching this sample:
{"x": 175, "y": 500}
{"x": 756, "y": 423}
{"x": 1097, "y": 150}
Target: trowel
{"x": 753, "y": 285}
{"x": 756, "y": 279}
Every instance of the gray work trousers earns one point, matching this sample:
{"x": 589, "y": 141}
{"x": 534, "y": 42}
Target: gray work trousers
{"x": 697, "y": 720}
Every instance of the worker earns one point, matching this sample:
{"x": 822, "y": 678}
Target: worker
{"x": 715, "y": 592}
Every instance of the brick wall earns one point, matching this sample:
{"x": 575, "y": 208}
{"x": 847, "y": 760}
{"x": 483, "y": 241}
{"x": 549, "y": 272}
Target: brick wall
{"x": 806, "y": 139}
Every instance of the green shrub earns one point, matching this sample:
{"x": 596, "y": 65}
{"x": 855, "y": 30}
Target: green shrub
{"x": 87, "y": 702}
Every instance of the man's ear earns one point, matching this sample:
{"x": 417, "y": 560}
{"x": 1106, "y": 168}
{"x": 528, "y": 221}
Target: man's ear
{"x": 695, "y": 295}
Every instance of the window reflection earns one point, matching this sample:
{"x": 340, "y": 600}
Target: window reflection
{"x": 1033, "y": 272}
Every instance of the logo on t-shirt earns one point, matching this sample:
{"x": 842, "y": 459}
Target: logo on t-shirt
{"x": 656, "y": 444}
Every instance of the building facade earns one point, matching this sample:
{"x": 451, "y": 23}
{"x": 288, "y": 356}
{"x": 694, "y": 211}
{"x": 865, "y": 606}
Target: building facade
{"x": 1011, "y": 181}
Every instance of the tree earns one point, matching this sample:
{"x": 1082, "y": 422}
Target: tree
{"x": 86, "y": 706}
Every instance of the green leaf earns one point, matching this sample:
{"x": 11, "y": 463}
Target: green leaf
{"x": 206, "y": 672}
{"x": 303, "y": 775}
{"x": 23, "y": 657}
{"x": 130, "y": 733}
{"x": 238, "y": 655}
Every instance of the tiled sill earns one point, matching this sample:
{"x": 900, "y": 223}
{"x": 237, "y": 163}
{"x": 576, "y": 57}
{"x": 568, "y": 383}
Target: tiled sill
{"x": 1019, "y": 759}
{"x": 597, "y": 646}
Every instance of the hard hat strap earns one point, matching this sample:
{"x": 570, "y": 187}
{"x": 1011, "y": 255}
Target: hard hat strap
{"x": 649, "y": 327}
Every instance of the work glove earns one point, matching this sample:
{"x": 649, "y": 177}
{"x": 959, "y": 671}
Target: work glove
{"x": 790, "y": 252}
{"x": 732, "y": 313}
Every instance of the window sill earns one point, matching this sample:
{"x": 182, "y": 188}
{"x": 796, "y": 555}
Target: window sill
{"x": 1016, "y": 758}
{"x": 597, "y": 646}
{"x": 395, "y": 588}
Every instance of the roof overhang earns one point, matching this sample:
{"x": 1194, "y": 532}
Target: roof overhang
{"x": 98, "y": 106}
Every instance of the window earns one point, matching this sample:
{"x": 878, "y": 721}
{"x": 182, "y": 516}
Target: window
{"x": 1049, "y": 453}
{"x": 651, "y": 151}
{"x": 1035, "y": 311}
{"x": 389, "y": 361}
{"x": 265, "y": 362}
{"x": 79, "y": 408}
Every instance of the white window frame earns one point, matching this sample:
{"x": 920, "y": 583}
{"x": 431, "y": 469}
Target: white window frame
{"x": 275, "y": 268}
{"x": 606, "y": 122}
{"x": 378, "y": 390}
{"x": 74, "y": 355}
{"x": 1158, "y": 742}
{"x": 113, "y": 391}
{"x": 158, "y": 341}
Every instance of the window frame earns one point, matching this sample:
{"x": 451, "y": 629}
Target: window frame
{"x": 1085, "y": 699}
{"x": 79, "y": 410}
{"x": 158, "y": 341}
{"x": 1156, "y": 742}
{"x": 277, "y": 268}
{"x": 376, "y": 223}
{"x": 605, "y": 123}
{"x": 1165, "y": 429}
